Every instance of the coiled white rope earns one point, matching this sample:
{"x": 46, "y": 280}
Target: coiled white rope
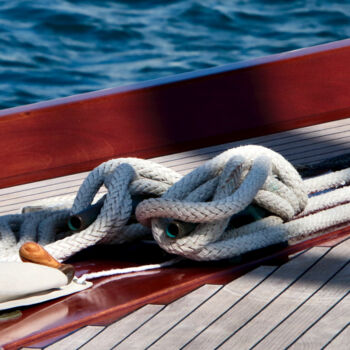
{"x": 209, "y": 196}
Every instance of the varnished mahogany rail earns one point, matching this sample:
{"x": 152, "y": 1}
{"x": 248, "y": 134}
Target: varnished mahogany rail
{"x": 192, "y": 110}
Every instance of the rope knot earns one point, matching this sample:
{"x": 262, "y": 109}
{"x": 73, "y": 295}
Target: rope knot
{"x": 213, "y": 193}
{"x": 243, "y": 179}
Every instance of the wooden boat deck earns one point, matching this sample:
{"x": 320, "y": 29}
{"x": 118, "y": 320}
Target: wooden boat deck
{"x": 303, "y": 303}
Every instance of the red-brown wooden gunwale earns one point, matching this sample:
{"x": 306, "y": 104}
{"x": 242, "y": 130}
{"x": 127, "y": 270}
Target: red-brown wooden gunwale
{"x": 241, "y": 100}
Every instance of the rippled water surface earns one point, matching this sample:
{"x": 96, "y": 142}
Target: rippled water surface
{"x": 50, "y": 49}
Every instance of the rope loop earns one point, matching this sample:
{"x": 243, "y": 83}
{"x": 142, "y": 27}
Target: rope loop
{"x": 213, "y": 193}
{"x": 201, "y": 215}
{"x": 124, "y": 179}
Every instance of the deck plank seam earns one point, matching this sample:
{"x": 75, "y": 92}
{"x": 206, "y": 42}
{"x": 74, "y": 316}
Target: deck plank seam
{"x": 43, "y": 183}
{"x": 42, "y": 196}
{"x": 164, "y": 309}
{"x": 16, "y": 205}
{"x": 291, "y": 155}
{"x": 60, "y": 338}
{"x": 272, "y": 300}
{"x": 44, "y": 192}
{"x": 119, "y": 319}
{"x": 22, "y": 203}
{"x": 137, "y": 328}
{"x": 236, "y": 302}
{"x": 88, "y": 340}
{"x": 316, "y": 146}
{"x": 274, "y": 139}
{"x": 102, "y": 329}
{"x": 318, "y": 319}
{"x": 335, "y": 336}
{"x": 301, "y": 159}
{"x": 55, "y": 182}
{"x": 287, "y": 152}
{"x": 73, "y": 337}
{"x": 300, "y": 305}
{"x": 184, "y": 317}
{"x": 341, "y": 241}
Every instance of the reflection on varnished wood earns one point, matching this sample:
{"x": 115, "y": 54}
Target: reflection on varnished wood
{"x": 112, "y": 297}
{"x": 302, "y": 304}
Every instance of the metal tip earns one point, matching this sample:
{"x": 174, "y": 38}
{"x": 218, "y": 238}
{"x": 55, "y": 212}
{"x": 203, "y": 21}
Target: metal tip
{"x": 74, "y": 223}
{"x": 178, "y": 229}
{"x": 172, "y": 230}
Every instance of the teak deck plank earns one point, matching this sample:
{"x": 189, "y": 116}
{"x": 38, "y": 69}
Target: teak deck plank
{"x": 167, "y": 318}
{"x": 76, "y": 339}
{"x": 242, "y": 312}
{"x": 298, "y": 293}
{"x": 324, "y": 319}
{"x": 341, "y": 341}
{"x": 326, "y": 328}
{"x": 117, "y": 331}
{"x": 313, "y": 309}
{"x": 212, "y": 309}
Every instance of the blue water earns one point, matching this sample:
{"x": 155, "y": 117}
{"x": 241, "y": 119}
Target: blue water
{"x": 50, "y": 49}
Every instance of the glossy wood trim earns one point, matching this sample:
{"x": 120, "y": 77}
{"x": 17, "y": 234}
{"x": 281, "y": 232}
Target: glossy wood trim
{"x": 113, "y": 297}
{"x": 192, "y": 110}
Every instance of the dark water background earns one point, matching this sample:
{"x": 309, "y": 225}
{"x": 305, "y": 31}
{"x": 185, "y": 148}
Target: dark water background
{"x": 57, "y": 48}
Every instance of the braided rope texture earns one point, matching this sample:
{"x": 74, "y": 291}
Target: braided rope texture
{"x": 208, "y": 197}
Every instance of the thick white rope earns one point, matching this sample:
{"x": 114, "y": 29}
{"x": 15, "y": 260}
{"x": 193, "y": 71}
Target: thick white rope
{"x": 209, "y": 197}
{"x": 123, "y": 178}
{"x": 249, "y": 173}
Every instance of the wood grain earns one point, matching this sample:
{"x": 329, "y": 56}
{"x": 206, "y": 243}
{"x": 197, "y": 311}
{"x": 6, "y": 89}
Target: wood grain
{"x": 117, "y": 331}
{"x": 283, "y": 306}
{"x": 267, "y": 95}
{"x": 254, "y": 302}
{"x": 212, "y": 309}
{"x": 326, "y": 328}
{"x": 167, "y": 318}
{"x": 341, "y": 341}
{"x": 77, "y": 339}
{"x": 312, "y": 310}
